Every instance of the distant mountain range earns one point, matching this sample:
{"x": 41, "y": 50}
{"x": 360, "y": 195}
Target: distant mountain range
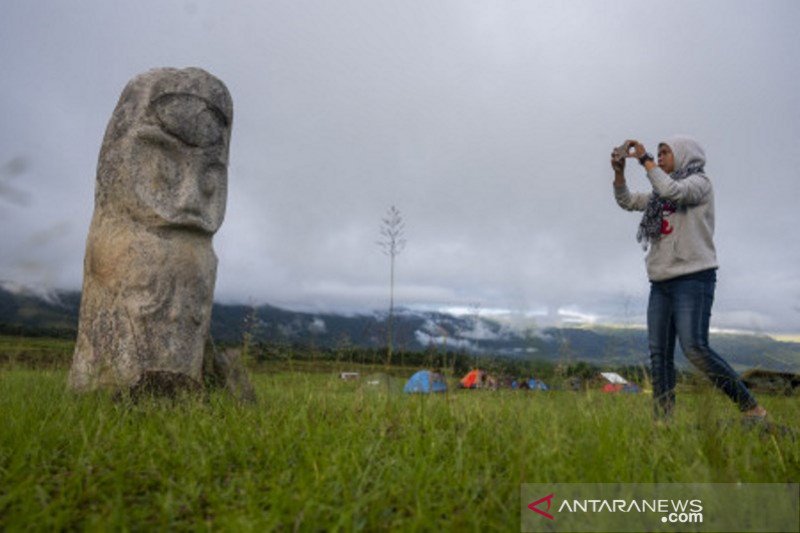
{"x": 56, "y": 314}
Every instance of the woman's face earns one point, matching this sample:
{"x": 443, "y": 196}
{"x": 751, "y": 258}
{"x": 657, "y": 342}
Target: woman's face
{"x": 666, "y": 159}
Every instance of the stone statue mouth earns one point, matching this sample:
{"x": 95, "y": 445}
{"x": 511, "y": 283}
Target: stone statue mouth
{"x": 186, "y": 228}
{"x": 189, "y": 222}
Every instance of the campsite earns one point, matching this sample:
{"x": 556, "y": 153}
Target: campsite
{"x": 351, "y": 452}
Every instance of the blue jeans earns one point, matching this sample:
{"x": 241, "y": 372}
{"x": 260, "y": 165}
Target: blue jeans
{"x": 682, "y": 307}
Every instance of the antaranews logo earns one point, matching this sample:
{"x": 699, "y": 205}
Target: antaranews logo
{"x": 673, "y": 510}
{"x": 534, "y": 506}
{"x": 635, "y": 507}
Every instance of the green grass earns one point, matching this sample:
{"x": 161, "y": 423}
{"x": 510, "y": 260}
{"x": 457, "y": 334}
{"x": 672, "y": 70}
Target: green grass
{"x": 37, "y": 352}
{"x": 318, "y": 453}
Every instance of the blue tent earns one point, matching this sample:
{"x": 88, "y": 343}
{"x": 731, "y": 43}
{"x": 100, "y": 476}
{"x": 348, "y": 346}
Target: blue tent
{"x": 530, "y": 384}
{"x": 633, "y": 388}
{"x": 535, "y": 384}
{"x": 426, "y": 382}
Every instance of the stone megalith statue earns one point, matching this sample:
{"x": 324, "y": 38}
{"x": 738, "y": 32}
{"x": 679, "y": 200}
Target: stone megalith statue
{"x": 150, "y": 268}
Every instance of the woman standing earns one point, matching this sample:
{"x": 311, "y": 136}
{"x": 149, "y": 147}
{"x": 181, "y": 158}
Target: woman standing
{"x": 677, "y": 230}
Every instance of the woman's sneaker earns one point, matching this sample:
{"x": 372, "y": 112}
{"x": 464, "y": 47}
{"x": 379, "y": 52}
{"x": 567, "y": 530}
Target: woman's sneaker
{"x": 756, "y": 413}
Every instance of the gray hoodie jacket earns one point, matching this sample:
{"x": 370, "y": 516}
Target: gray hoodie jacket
{"x": 686, "y": 245}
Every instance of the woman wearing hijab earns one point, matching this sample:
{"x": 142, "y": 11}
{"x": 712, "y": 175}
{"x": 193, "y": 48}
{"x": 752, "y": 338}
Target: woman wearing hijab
{"x": 677, "y": 231}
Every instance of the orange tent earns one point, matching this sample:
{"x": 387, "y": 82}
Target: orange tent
{"x": 472, "y": 380}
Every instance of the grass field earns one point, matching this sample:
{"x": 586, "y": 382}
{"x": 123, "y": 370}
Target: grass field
{"x": 315, "y": 453}
{"x": 37, "y": 352}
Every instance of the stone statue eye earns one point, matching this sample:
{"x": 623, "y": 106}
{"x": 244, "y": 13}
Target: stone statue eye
{"x": 156, "y": 137}
{"x": 190, "y": 119}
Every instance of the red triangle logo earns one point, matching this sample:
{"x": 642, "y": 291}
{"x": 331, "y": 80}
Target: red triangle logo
{"x": 533, "y": 506}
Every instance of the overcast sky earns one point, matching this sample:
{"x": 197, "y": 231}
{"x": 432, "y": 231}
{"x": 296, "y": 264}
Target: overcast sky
{"x": 487, "y": 123}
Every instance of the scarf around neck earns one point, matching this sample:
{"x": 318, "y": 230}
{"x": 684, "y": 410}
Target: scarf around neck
{"x": 652, "y": 220}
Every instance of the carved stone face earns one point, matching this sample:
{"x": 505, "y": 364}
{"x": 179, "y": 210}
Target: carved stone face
{"x": 181, "y": 172}
{"x": 168, "y": 144}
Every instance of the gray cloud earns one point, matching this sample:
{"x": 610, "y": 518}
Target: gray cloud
{"x": 488, "y": 124}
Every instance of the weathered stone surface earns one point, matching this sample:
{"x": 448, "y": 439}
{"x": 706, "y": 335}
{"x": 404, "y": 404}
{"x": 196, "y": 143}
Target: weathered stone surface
{"x": 150, "y": 269}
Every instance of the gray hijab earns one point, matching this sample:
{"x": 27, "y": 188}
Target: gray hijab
{"x": 689, "y": 160}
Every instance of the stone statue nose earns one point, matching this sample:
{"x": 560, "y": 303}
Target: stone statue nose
{"x": 189, "y": 197}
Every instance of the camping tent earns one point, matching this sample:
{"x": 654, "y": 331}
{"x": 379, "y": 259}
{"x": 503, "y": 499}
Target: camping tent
{"x": 529, "y": 384}
{"x": 425, "y": 382}
{"x": 614, "y": 378}
{"x": 473, "y": 380}
{"x": 535, "y": 384}
{"x": 616, "y": 383}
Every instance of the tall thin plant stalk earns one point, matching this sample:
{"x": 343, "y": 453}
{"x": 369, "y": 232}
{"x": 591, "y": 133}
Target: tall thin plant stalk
{"x": 392, "y": 242}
